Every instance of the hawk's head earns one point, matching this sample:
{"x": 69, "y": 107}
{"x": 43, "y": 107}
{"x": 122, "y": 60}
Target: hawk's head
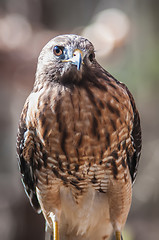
{"x": 64, "y": 59}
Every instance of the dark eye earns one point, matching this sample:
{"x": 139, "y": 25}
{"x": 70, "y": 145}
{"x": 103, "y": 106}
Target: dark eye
{"x": 58, "y": 51}
{"x": 91, "y": 57}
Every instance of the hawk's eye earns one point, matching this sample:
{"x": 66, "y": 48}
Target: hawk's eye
{"x": 58, "y": 51}
{"x": 91, "y": 57}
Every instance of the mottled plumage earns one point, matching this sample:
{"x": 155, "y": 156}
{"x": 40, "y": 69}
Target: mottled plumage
{"x": 79, "y": 143}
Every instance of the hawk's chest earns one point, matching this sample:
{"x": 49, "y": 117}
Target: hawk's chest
{"x": 82, "y": 122}
{"x": 73, "y": 123}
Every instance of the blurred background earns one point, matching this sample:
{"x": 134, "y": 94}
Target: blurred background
{"x": 126, "y": 37}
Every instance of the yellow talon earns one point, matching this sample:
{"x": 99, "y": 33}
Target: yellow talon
{"x": 55, "y": 229}
{"x": 55, "y": 226}
{"x": 118, "y": 235}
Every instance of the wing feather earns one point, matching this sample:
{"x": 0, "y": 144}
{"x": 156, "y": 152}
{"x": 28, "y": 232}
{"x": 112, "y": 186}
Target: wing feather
{"x": 136, "y": 136}
{"x": 24, "y": 161}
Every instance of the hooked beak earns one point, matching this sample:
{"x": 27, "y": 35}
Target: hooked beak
{"x": 76, "y": 59}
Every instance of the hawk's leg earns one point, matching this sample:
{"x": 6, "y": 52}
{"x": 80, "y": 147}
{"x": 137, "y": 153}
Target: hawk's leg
{"x": 118, "y": 235}
{"x": 48, "y": 232}
{"x": 55, "y": 227}
{"x": 56, "y": 231}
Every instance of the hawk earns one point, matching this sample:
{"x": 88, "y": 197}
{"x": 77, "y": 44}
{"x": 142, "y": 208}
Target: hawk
{"x": 78, "y": 143}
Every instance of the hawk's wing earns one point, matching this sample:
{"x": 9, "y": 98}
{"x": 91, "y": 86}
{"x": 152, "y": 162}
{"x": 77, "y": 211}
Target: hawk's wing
{"x": 136, "y": 138}
{"x": 25, "y": 153}
{"x": 133, "y": 161}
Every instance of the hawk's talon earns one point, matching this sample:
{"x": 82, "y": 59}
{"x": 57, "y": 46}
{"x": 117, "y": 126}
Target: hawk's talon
{"x": 55, "y": 230}
{"x": 118, "y": 235}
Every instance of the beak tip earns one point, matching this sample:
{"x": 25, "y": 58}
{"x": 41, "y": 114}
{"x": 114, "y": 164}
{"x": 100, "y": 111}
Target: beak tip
{"x": 77, "y": 60}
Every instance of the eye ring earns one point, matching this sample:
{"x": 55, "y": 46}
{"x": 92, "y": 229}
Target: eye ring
{"x": 58, "y": 51}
